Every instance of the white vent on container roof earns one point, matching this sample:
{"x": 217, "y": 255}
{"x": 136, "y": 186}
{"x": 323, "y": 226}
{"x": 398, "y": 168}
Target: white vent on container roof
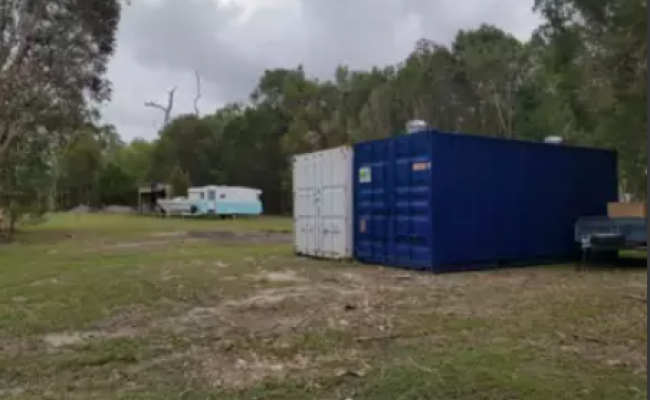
{"x": 554, "y": 140}
{"x": 416, "y": 125}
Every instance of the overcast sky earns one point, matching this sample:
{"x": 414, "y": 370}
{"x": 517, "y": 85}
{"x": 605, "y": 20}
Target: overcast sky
{"x": 231, "y": 42}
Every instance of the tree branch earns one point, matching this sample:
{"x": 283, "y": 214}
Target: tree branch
{"x": 23, "y": 31}
{"x": 167, "y": 110}
{"x": 7, "y": 135}
{"x": 198, "y": 92}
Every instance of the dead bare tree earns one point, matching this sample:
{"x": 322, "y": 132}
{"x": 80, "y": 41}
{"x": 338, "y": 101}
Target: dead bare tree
{"x": 166, "y": 109}
{"x": 198, "y": 92}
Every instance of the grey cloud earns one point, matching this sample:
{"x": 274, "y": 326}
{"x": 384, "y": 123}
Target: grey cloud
{"x": 183, "y": 35}
{"x": 364, "y": 33}
{"x": 513, "y": 16}
{"x": 360, "y": 33}
{"x": 161, "y": 42}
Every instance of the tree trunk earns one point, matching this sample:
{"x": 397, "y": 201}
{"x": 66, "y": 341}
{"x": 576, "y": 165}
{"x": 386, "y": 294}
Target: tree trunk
{"x": 13, "y": 221}
{"x": 3, "y": 231}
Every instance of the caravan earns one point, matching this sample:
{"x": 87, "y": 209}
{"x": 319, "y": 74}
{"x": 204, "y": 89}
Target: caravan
{"x": 216, "y": 200}
{"x": 225, "y": 200}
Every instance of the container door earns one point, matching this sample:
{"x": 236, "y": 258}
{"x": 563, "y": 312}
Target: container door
{"x": 393, "y": 202}
{"x": 304, "y": 205}
{"x": 306, "y": 178}
{"x": 412, "y": 232}
{"x": 333, "y": 201}
{"x": 373, "y": 192}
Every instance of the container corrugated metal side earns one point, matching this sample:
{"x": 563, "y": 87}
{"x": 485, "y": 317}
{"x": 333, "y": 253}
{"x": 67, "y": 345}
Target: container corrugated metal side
{"x": 450, "y": 202}
{"x": 322, "y": 201}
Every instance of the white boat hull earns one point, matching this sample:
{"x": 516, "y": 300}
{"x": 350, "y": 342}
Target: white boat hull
{"x": 175, "y": 206}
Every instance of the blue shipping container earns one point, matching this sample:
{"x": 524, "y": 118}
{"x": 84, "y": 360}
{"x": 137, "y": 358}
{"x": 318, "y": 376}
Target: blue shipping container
{"x": 451, "y": 202}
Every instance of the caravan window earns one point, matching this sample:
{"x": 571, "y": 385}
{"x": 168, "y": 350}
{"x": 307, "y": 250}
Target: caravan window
{"x": 222, "y": 196}
{"x": 212, "y": 195}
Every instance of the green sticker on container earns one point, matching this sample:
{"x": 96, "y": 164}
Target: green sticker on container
{"x": 365, "y": 175}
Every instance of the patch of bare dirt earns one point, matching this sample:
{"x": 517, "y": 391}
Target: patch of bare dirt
{"x": 273, "y": 296}
{"x": 239, "y": 341}
{"x": 243, "y": 237}
{"x": 273, "y": 311}
{"x": 246, "y": 370}
{"x": 616, "y": 356}
{"x": 74, "y": 338}
{"x": 15, "y": 346}
{"x": 630, "y": 355}
{"x": 13, "y": 392}
{"x": 162, "y": 239}
{"x": 46, "y": 281}
{"x": 268, "y": 311}
{"x": 169, "y": 235}
{"x": 138, "y": 244}
{"x": 349, "y": 304}
{"x": 287, "y": 276}
{"x": 362, "y": 301}
{"x": 241, "y": 371}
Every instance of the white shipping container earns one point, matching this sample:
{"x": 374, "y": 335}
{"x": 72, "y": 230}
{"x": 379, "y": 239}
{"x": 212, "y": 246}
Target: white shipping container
{"x": 322, "y": 203}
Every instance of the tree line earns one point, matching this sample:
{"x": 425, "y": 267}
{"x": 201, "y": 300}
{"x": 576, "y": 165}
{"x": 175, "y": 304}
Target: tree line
{"x": 582, "y": 76}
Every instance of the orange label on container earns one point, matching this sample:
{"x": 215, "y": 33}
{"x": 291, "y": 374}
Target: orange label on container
{"x": 421, "y": 166}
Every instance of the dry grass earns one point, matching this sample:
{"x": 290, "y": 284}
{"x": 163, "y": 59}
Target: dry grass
{"x": 187, "y": 311}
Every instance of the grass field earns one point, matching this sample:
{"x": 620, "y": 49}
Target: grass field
{"x": 123, "y": 307}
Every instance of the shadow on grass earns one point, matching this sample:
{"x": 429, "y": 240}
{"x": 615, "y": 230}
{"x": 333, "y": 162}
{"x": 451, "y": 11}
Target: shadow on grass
{"x": 636, "y": 261}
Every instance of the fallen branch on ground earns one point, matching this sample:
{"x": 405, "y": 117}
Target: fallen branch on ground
{"x": 592, "y": 339}
{"x": 420, "y": 367}
{"x": 635, "y": 297}
{"x": 583, "y": 338}
{"x": 394, "y": 337}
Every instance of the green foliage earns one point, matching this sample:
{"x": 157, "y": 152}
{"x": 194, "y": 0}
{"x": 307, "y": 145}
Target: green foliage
{"x": 583, "y": 76}
{"x": 82, "y": 165}
{"x": 564, "y": 81}
{"x": 190, "y": 143}
{"x": 117, "y": 186}
{"x": 27, "y": 181}
{"x": 89, "y": 170}
{"x": 53, "y": 59}
{"x": 598, "y": 57}
{"x": 136, "y": 159}
{"x": 180, "y": 181}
